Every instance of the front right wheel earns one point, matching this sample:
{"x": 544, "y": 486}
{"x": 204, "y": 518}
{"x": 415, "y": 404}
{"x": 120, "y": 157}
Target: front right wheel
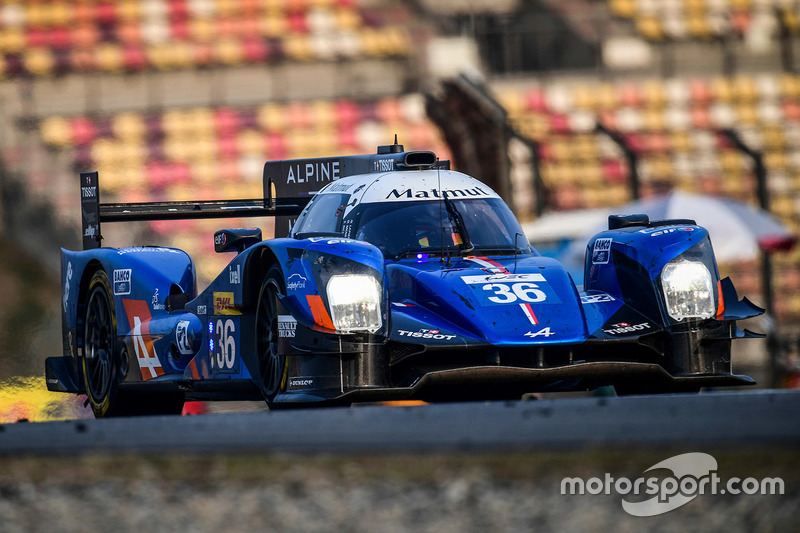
{"x": 272, "y": 365}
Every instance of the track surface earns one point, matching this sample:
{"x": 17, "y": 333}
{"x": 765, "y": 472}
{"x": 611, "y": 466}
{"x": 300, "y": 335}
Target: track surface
{"x": 723, "y": 418}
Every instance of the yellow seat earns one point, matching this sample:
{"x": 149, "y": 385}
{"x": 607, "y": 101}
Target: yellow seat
{"x": 698, "y": 26}
{"x": 583, "y": 97}
{"x": 55, "y": 131}
{"x": 39, "y": 61}
{"x": 229, "y": 52}
{"x": 650, "y": 27}
{"x": 623, "y": 8}
{"x": 745, "y": 89}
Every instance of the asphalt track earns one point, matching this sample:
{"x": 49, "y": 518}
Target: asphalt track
{"x": 753, "y": 418}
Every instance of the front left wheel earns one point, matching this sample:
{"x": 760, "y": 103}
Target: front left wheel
{"x": 105, "y": 362}
{"x": 100, "y": 362}
{"x": 272, "y": 365}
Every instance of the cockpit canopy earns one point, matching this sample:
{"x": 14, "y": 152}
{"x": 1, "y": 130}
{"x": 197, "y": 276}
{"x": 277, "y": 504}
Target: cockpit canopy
{"x": 438, "y": 223}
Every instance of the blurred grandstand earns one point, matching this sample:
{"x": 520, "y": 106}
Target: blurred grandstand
{"x": 185, "y": 99}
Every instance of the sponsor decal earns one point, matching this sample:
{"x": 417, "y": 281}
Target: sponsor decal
{"x": 502, "y": 277}
{"x": 67, "y": 279}
{"x": 182, "y": 336}
{"x": 224, "y": 304}
{"x": 435, "y": 193}
{"x": 624, "y": 327}
{"x": 313, "y": 171}
{"x": 545, "y": 332}
{"x": 301, "y": 382}
{"x": 338, "y": 187}
{"x": 597, "y": 298}
{"x": 287, "y": 325}
{"x": 91, "y": 230}
{"x": 220, "y": 239}
{"x": 235, "y": 275}
{"x": 528, "y": 310}
{"x": 154, "y": 302}
{"x": 398, "y": 304}
{"x": 384, "y": 165}
{"x": 148, "y": 249}
{"x": 332, "y": 241}
{"x": 601, "y": 251}
{"x": 426, "y": 334}
{"x": 89, "y": 192}
{"x": 122, "y": 281}
{"x": 656, "y": 232}
{"x": 202, "y": 310}
{"x": 295, "y": 282}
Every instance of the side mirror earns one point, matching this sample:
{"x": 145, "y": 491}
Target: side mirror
{"x": 238, "y": 239}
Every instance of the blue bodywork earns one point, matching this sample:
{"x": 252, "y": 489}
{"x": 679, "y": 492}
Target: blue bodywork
{"x": 452, "y": 325}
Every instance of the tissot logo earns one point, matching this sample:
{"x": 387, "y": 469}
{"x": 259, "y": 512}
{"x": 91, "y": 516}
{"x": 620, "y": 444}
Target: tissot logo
{"x": 435, "y": 193}
{"x": 426, "y": 334}
{"x": 624, "y": 327}
{"x": 384, "y": 165}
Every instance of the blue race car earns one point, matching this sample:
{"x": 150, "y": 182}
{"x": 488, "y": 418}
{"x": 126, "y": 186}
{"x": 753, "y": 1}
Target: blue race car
{"x": 397, "y": 278}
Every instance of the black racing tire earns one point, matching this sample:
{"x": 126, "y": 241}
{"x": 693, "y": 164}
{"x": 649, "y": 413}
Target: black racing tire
{"x": 105, "y": 362}
{"x": 272, "y": 366}
{"x": 100, "y": 361}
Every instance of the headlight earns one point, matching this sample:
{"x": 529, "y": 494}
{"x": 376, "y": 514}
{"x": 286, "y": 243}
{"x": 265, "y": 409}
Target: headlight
{"x": 355, "y": 302}
{"x": 688, "y": 289}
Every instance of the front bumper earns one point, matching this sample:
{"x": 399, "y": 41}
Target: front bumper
{"x": 491, "y": 382}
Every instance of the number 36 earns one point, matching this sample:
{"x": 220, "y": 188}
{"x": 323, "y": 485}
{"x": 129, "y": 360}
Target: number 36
{"x": 226, "y": 345}
{"x": 503, "y": 294}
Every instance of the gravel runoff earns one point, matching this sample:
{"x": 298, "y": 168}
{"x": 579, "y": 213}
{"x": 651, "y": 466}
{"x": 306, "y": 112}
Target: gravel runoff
{"x": 517, "y": 491}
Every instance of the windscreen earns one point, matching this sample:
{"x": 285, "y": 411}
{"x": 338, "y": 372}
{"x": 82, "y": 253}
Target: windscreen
{"x": 407, "y": 228}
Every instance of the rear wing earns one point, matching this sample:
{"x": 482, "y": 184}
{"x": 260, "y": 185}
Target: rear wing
{"x": 288, "y": 187}
{"x": 93, "y": 213}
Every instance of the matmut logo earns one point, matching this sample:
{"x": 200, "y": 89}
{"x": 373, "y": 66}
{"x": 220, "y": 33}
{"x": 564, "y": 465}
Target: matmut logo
{"x": 409, "y": 194}
{"x": 224, "y": 304}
